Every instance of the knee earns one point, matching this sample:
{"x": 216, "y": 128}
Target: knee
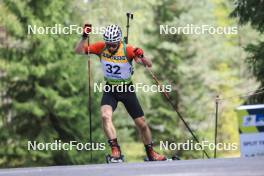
{"x": 106, "y": 117}
{"x": 142, "y": 126}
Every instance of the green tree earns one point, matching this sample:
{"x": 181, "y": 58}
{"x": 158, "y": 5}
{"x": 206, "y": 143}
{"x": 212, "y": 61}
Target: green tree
{"x": 251, "y": 11}
{"x": 46, "y": 85}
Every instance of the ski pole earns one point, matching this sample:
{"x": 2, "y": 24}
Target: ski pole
{"x": 216, "y": 122}
{"x": 178, "y": 113}
{"x": 89, "y": 72}
{"x": 129, "y": 16}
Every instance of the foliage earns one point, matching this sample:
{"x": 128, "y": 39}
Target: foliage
{"x": 251, "y": 11}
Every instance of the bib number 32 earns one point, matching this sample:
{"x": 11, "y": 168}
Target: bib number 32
{"x": 115, "y": 69}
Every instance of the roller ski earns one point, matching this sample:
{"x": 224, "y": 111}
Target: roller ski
{"x": 110, "y": 159}
{"x": 146, "y": 159}
{"x": 116, "y": 156}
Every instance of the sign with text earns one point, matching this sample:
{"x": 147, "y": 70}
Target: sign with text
{"x": 251, "y": 129}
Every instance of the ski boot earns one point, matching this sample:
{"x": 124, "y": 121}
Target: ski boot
{"x": 116, "y": 156}
{"x": 152, "y": 155}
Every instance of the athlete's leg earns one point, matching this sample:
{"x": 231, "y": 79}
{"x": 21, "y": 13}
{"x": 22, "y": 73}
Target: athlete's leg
{"x": 108, "y": 105}
{"x": 135, "y": 111}
{"x": 147, "y": 139}
{"x": 106, "y": 115}
{"x": 144, "y": 130}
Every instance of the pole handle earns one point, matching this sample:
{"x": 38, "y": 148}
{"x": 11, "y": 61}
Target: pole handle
{"x": 129, "y": 16}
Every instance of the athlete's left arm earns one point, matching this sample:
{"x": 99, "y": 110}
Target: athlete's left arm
{"x": 138, "y": 55}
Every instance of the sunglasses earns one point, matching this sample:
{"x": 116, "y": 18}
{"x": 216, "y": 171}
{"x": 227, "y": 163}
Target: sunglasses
{"x": 112, "y": 45}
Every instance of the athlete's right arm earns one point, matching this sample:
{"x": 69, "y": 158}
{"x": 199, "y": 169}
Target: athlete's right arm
{"x": 87, "y": 28}
{"x": 83, "y": 48}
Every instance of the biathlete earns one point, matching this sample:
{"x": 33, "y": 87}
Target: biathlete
{"x": 116, "y": 59}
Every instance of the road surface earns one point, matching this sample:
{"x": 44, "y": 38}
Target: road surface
{"x": 209, "y": 167}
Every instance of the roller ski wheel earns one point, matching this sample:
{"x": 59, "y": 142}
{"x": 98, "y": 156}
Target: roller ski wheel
{"x": 110, "y": 159}
{"x": 175, "y": 157}
{"x": 146, "y": 159}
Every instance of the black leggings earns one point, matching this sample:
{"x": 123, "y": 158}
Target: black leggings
{"x": 126, "y": 96}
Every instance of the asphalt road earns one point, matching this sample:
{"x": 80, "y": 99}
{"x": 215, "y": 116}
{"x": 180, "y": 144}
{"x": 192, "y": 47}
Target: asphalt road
{"x": 209, "y": 167}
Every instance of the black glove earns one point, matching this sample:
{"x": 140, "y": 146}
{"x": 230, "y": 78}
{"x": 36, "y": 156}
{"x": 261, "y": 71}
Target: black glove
{"x": 86, "y": 30}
